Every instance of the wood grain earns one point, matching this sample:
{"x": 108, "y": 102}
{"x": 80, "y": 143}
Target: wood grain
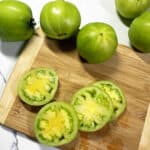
{"x": 145, "y": 138}
{"x": 23, "y": 64}
{"x": 130, "y": 70}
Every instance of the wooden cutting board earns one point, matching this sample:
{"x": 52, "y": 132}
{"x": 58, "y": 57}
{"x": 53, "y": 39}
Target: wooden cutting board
{"x": 130, "y": 70}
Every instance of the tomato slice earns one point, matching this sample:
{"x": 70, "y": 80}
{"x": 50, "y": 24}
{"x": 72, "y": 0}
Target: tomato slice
{"x": 56, "y": 124}
{"x": 93, "y": 107}
{"x": 38, "y": 86}
{"x": 116, "y": 95}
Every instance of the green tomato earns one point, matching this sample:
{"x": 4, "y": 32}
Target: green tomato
{"x": 60, "y": 19}
{"x": 96, "y": 42}
{"x": 139, "y": 32}
{"x": 56, "y": 124}
{"x": 131, "y": 8}
{"x": 116, "y": 95}
{"x": 93, "y": 107}
{"x": 38, "y": 86}
{"x": 16, "y": 21}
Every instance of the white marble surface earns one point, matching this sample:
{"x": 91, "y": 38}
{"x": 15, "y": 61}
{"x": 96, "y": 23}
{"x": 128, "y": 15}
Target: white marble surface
{"x": 91, "y": 10}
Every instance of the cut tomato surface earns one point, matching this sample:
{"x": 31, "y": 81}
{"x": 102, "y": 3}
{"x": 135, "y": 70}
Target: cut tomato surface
{"x": 116, "y": 95}
{"x": 93, "y": 107}
{"x": 56, "y": 124}
{"x": 38, "y": 86}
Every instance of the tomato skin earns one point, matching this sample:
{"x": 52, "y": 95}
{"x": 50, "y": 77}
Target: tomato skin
{"x": 131, "y": 8}
{"x": 97, "y": 42}
{"x": 139, "y": 32}
{"x": 57, "y": 139}
{"x": 60, "y": 19}
{"x": 16, "y": 21}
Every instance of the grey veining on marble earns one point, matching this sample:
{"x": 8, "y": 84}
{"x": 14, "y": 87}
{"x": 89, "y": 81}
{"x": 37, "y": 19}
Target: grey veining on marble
{"x": 14, "y": 145}
{"x": 7, "y": 139}
{"x": 10, "y": 139}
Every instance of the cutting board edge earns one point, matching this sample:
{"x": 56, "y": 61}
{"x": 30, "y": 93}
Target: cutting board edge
{"x": 4, "y": 111}
{"x": 144, "y": 143}
{"x": 29, "y": 52}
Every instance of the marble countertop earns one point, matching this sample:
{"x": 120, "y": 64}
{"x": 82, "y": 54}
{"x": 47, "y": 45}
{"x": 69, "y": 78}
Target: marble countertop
{"x": 91, "y": 11}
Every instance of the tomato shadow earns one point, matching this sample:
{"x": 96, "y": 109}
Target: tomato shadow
{"x": 32, "y": 109}
{"x": 67, "y": 45}
{"x": 44, "y": 147}
{"x": 62, "y": 48}
{"x": 12, "y": 49}
{"x": 102, "y": 71}
{"x": 99, "y": 137}
{"x": 125, "y": 21}
{"x": 70, "y": 146}
{"x": 143, "y": 56}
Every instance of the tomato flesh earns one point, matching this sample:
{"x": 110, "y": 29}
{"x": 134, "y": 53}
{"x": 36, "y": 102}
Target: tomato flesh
{"x": 93, "y": 107}
{"x": 116, "y": 95}
{"x": 38, "y": 86}
{"x": 56, "y": 124}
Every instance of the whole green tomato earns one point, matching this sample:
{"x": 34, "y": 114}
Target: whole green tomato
{"x": 139, "y": 32}
{"x": 131, "y": 8}
{"x": 97, "y": 42}
{"x": 16, "y": 21}
{"x": 60, "y": 19}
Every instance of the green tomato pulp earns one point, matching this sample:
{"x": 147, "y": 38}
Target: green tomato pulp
{"x": 116, "y": 95}
{"x": 131, "y": 8}
{"x": 96, "y": 42}
{"x": 16, "y": 22}
{"x": 139, "y": 32}
{"x": 93, "y": 107}
{"x": 38, "y": 86}
{"x": 60, "y": 19}
{"x": 56, "y": 124}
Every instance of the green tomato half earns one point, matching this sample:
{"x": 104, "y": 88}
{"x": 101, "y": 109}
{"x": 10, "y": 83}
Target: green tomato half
{"x": 139, "y": 32}
{"x": 38, "y": 86}
{"x": 96, "y": 42}
{"x": 56, "y": 124}
{"x": 60, "y": 19}
{"x": 93, "y": 107}
{"x": 16, "y": 21}
{"x": 116, "y": 95}
{"x": 131, "y": 8}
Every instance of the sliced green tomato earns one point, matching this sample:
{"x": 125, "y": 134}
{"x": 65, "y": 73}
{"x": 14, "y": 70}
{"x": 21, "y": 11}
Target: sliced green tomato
{"x": 116, "y": 95}
{"x": 93, "y": 107}
{"x": 56, "y": 124}
{"x": 38, "y": 86}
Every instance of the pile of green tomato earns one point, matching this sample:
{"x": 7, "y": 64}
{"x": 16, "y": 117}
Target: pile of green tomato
{"x": 58, "y": 122}
{"x": 96, "y": 42}
{"x": 93, "y": 106}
